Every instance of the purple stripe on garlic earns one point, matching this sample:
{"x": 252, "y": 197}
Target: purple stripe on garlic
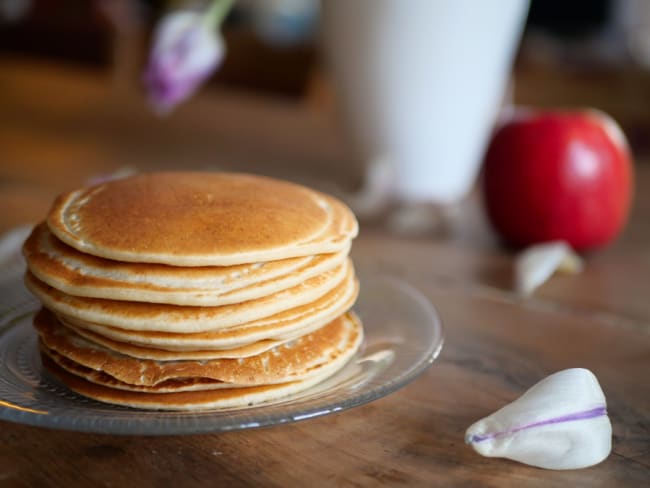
{"x": 572, "y": 417}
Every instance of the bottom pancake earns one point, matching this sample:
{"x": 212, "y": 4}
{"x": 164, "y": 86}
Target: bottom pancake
{"x": 294, "y": 361}
{"x": 219, "y": 398}
{"x": 110, "y": 377}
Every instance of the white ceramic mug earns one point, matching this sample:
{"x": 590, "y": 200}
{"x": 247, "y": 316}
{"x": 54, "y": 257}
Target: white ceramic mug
{"x": 421, "y": 83}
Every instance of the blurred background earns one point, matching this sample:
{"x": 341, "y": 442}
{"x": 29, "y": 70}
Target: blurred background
{"x": 72, "y": 105}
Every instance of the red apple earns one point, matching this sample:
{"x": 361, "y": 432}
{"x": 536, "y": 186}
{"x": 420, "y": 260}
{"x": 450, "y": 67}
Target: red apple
{"x": 558, "y": 175}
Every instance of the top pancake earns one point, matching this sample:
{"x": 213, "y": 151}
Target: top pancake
{"x": 201, "y": 219}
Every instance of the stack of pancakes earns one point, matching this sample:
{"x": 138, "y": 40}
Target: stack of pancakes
{"x": 194, "y": 290}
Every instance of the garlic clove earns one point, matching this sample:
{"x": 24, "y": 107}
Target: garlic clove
{"x": 537, "y": 264}
{"x": 559, "y": 423}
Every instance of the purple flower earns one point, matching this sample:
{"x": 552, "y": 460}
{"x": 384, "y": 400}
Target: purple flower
{"x": 187, "y": 49}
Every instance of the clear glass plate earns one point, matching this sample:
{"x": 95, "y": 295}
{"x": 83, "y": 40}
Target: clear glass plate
{"x": 403, "y": 337}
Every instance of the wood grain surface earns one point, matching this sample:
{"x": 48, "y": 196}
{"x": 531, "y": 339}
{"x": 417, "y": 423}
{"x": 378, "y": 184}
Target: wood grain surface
{"x": 58, "y": 127}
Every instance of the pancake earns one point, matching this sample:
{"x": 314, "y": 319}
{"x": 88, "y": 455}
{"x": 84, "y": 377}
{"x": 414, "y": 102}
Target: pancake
{"x": 79, "y": 274}
{"x": 282, "y": 326}
{"x": 140, "y": 352}
{"x": 188, "y": 290}
{"x": 100, "y": 378}
{"x": 217, "y": 398}
{"x": 47, "y": 321}
{"x": 293, "y": 361}
{"x": 174, "y": 318}
{"x": 201, "y": 219}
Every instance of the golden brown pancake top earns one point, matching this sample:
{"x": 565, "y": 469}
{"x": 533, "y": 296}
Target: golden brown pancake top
{"x": 189, "y": 213}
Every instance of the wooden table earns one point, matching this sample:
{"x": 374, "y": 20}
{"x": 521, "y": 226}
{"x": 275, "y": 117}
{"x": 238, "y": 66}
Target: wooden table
{"x": 59, "y": 126}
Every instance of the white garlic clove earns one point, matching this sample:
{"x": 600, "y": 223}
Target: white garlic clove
{"x": 537, "y": 264}
{"x": 559, "y": 423}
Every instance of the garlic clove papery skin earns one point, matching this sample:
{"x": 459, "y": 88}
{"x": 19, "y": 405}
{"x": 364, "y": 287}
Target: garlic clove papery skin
{"x": 559, "y": 423}
{"x": 536, "y": 264}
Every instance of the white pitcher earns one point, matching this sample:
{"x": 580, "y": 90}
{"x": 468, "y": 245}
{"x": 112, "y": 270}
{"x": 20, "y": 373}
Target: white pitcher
{"x": 421, "y": 82}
